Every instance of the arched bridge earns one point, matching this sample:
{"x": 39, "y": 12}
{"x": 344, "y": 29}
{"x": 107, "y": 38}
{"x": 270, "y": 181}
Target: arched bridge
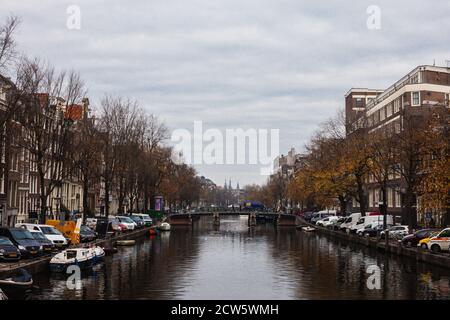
{"x": 279, "y": 219}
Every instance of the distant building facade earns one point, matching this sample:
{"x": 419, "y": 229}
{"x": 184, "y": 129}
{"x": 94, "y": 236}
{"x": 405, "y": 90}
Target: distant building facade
{"x": 416, "y": 93}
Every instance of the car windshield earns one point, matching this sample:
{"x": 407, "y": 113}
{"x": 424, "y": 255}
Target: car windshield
{"x": 126, "y": 220}
{"x": 85, "y": 229}
{"x": 22, "y": 234}
{"x": 5, "y": 241}
{"x": 38, "y": 236}
{"x": 49, "y": 231}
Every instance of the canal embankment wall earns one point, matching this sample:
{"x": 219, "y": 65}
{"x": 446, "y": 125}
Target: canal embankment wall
{"x": 387, "y": 246}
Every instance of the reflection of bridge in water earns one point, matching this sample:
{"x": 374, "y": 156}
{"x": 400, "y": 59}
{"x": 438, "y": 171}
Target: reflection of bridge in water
{"x": 279, "y": 219}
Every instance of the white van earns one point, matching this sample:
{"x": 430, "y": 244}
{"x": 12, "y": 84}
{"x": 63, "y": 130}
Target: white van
{"x": 351, "y": 220}
{"x": 50, "y": 232}
{"x": 372, "y": 220}
{"x": 440, "y": 242}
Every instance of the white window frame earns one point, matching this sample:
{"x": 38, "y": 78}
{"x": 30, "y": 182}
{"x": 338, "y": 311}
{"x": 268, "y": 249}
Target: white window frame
{"x": 412, "y": 99}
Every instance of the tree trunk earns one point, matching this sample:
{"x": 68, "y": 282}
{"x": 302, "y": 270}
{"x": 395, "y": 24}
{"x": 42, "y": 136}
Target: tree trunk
{"x": 361, "y": 195}
{"x": 86, "y": 210}
{"x": 409, "y": 211}
{"x": 107, "y": 196}
{"x": 384, "y": 205}
{"x": 343, "y": 205}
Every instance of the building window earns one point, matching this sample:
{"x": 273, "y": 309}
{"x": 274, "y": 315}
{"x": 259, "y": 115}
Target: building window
{"x": 389, "y": 110}
{"x": 415, "y": 98}
{"x": 359, "y": 103}
{"x": 390, "y": 198}
{"x": 382, "y": 114}
{"x": 398, "y": 199}
{"x": 396, "y": 105}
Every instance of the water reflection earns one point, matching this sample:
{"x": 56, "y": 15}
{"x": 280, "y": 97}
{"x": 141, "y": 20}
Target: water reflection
{"x": 234, "y": 262}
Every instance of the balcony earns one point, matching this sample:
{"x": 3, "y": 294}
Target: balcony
{"x": 411, "y": 78}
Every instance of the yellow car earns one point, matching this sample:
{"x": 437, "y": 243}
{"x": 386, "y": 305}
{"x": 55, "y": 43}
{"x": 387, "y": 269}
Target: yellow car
{"x": 424, "y": 242}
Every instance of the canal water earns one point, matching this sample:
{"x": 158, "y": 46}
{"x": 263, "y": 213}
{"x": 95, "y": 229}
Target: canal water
{"x": 235, "y": 262}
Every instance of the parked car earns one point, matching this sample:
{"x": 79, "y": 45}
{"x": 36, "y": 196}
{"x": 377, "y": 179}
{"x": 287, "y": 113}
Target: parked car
{"x": 335, "y": 224}
{"x": 104, "y": 227}
{"x": 138, "y": 220}
{"x": 146, "y": 218}
{"x": 372, "y": 230}
{"x": 322, "y": 215}
{"x": 50, "y": 232}
{"x": 413, "y": 239}
{"x": 127, "y": 222}
{"x": 47, "y": 246}
{"x": 360, "y": 232}
{"x": 308, "y": 215}
{"x": 23, "y": 240}
{"x": 8, "y": 251}
{"x": 328, "y": 220}
{"x": 440, "y": 242}
{"x": 424, "y": 242}
{"x": 116, "y": 226}
{"x": 87, "y": 234}
{"x": 395, "y": 232}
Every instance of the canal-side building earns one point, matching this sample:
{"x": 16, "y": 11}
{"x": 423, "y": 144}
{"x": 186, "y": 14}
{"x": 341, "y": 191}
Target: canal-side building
{"x": 422, "y": 89}
{"x": 19, "y": 180}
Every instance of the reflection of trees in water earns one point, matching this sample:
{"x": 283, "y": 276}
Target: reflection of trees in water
{"x": 322, "y": 268}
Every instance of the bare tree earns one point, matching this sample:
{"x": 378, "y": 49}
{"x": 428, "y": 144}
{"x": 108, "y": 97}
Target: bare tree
{"x": 7, "y": 42}
{"x": 47, "y": 135}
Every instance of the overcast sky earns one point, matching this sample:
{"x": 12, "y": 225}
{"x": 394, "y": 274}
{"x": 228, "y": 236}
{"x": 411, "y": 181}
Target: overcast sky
{"x": 283, "y": 64}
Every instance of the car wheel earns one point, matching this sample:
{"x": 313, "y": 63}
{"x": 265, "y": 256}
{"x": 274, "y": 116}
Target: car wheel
{"x": 424, "y": 246}
{"x": 435, "y": 248}
{"x": 409, "y": 244}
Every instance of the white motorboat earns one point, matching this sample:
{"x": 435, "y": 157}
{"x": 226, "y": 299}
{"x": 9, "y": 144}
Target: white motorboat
{"x": 164, "y": 226}
{"x": 82, "y": 257}
{"x": 308, "y": 229}
{"x": 99, "y": 254}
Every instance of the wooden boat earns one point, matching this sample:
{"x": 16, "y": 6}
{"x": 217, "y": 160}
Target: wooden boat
{"x": 18, "y": 282}
{"x": 164, "y": 226}
{"x": 125, "y": 242}
{"x": 82, "y": 257}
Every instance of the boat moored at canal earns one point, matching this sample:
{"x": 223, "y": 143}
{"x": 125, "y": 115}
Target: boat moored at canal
{"x": 17, "y": 283}
{"x": 164, "y": 226}
{"x": 81, "y": 257}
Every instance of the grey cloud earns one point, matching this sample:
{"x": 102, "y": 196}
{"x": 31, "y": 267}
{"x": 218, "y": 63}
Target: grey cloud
{"x": 236, "y": 64}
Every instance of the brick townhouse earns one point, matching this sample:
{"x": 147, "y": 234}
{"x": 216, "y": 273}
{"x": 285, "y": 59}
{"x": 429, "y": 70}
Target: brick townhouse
{"x": 416, "y": 93}
{"x": 19, "y": 180}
